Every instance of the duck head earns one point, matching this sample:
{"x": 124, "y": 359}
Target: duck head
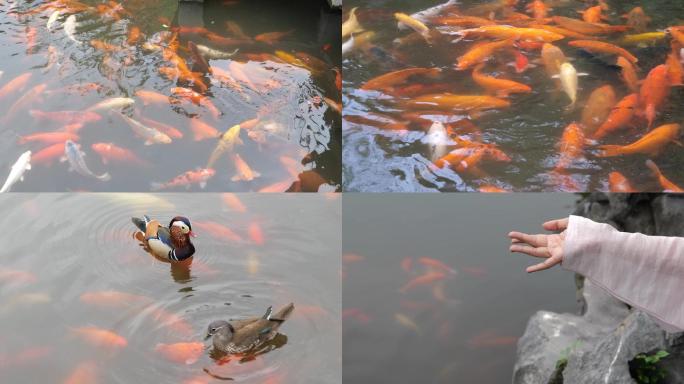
{"x": 221, "y": 328}
{"x": 181, "y": 231}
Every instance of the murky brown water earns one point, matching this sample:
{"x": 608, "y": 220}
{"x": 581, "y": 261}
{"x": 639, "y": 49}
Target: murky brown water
{"x": 58, "y": 56}
{"x": 61, "y": 253}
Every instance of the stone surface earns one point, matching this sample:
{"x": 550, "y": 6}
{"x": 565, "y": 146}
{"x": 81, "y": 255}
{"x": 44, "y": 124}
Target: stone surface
{"x": 597, "y": 344}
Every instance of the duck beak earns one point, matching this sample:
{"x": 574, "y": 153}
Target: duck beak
{"x": 192, "y": 234}
{"x": 207, "y": 337}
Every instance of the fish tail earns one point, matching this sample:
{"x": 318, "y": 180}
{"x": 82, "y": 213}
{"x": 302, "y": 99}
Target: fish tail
{"x": 653, "y": 167}
{"x": 610, "y": 151}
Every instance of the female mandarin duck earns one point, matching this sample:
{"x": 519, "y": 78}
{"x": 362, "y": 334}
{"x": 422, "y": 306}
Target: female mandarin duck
{"x": 238, "y": 336}
{"x": 172, "y": 243}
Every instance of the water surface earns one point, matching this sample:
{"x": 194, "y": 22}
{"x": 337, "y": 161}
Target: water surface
{"x": 277, "y": 80}
{"x": 60, "y": 252}
{"x": 465, "y": 326}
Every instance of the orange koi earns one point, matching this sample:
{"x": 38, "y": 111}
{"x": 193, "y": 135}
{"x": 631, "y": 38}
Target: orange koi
{"x": 244, "y": 172}
{"x": 451, "y": 102}
{"x": 427, "y": 278}
{"x": 436, "y": 264}
{"x": 588, "y": 28}
{"x": 110, "y": 152}
{"x": 151, "y": 97}
{"x": 66, "y": 117}
{"x": 651, "y": 144}
{"x": 100, "y": 337}
{"x": 654, "y": 91}
{"x": 593, "y": 14}
{"x": 618, "y": 183}
{"x": 84, "y": 373}
{"x": 667, "y": 185}
{"x": 48, "y": 137}
{"x": 181, "y": 353}
{"x": 571, "y": 146}
{"x": 500, "y": 87}
{"x": 134, "y": 36}
{"x": 407, "y": 264}
{"x": 508, "y": 32}
{"x": 17, "y": 276}
{"x": 392, "y": 79}
{"x": 675, "y": 72}
{"x": 538, "y": 9}
{"x": 553, "y": 58}
{"x": 202, "y": 130}
{"x": 480, "y": 53}
{"x": 601, "y": 47}
{"x": 233, "y": 202}
{"x": 164, "y": 128}
{"x": 48, "y": 155}
{"x": 218, "y": 231}
{"x": 628, "y": 74}
{"x": 271, "y": 38}
{"x": 349, "y": 258}
{"x": 619, "y": 116}
{"x": 198, "y": 176}
{"x": 637, "y": 20}
{"x": 598, "y": 107}
{"x": 15, "y": 85}
{"x": 255, "y": 233}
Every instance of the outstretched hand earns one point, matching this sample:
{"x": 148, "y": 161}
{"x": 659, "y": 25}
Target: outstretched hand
{"x": 549, "y": 247}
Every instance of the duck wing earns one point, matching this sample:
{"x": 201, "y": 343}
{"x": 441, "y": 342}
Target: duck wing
{"x": 239, "y": 324}
{"x": 261, "y": 329}
{"x": 164, "y": 235}
{"x": 141, "y": 223}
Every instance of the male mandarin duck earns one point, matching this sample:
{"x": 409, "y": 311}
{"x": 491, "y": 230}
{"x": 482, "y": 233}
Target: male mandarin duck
{"x": 238, "y": 336}
{"x": 172, "y": 243}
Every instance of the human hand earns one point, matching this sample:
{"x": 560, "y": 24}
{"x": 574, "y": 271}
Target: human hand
{"x": 549, "y": 247}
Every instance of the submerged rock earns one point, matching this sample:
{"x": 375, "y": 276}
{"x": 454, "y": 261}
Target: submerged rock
{"x": 597, "y": 344}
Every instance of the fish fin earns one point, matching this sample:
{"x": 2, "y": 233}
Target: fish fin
{"x": 203, "y": 184}
{"x": 105, "y": 177}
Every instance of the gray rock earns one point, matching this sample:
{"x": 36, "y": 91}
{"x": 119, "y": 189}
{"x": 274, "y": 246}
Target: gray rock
{"x": 668, "y": 213}
{"x": 605, "y": 361}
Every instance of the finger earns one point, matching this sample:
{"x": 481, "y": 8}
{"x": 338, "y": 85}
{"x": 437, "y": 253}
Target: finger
{"x": 556, "y": 225}
{"x": 546, "y": 264}
{"x": 542, "y": 252}
{"x": 533, "y": 240}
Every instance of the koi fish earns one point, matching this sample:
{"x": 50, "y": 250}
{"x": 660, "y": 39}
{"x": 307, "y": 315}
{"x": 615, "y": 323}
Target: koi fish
{"x": 451, "y": 102}
{"x": 109, "y": 152}
{"x": 52, "y": 20}
{"x": 598, "y": 107}
{"x": 628, "y": 74}
{"x": 571, "y": 146}
{"x": 271, "y": 38}
{"x": 151, "y": 97}
{"x": 643, "y": 39}
{"x": 538, "y": 9}
{"x": 228, "y": 140}
{"x": 100, "y": 337}
{"x": 654, "y": 91}
{"x": 181, "y": 353}
{"x": 553, "y": 58}
{"x": 48, "y": 137}
{"x": 244, "y": 172}
{"x": 170, "y": 131}
{"x": 214, "y": 54}
{"x": 427, "y": 278}
{"x": 436, "y": 264}
{"x": 21, "y": 103}
{"x": 74, "y": 155}
{"x": 568, "y": 78}
{"x": 593, "y": 14}
{"x": 48, "y": 155}
{"x": 84, "y": 373}
{"x": 202, "y": 130}
{"x": 500, "y": 87}
{"x": 218, "y": 231}
{"x": 480, "y": 53}
{"x": 417, "y": 25}
{"x": 588, "y": 28}
{"x": 651, "y": 144}
{"x": 15, "y": 85}
{"x": 66, "y": 117}
{"x": 618, "y": 183}
{"x": 233, "y": 202}
{"x": 508, "y": 32}
{"x": 392, "y": 79}
{"x": 619, "y": 116}
{"x": 70, "y": 29}
{"x": 199, "y": 176}
{"x": 606, "y": 48}
{"x": 407, "y": 322}
{"x": 151, "y": 135}
{"x": 17, "y": 171}
{"x": 637, "y": 19}
{"x": 351, "y": 25}
{"x": 667, "y": 185}
{"x": 255, "y": 233}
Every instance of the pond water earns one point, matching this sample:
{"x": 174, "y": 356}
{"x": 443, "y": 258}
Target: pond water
{"x": 72, "y": 271}
{"x": 59, "y": 60}
{"x": 462, "y": 322}
{"x": 384, "y": 127}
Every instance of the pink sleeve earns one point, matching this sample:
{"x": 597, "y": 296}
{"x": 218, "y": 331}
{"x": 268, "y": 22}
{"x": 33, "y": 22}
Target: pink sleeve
{"x": 646, "y": 272}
